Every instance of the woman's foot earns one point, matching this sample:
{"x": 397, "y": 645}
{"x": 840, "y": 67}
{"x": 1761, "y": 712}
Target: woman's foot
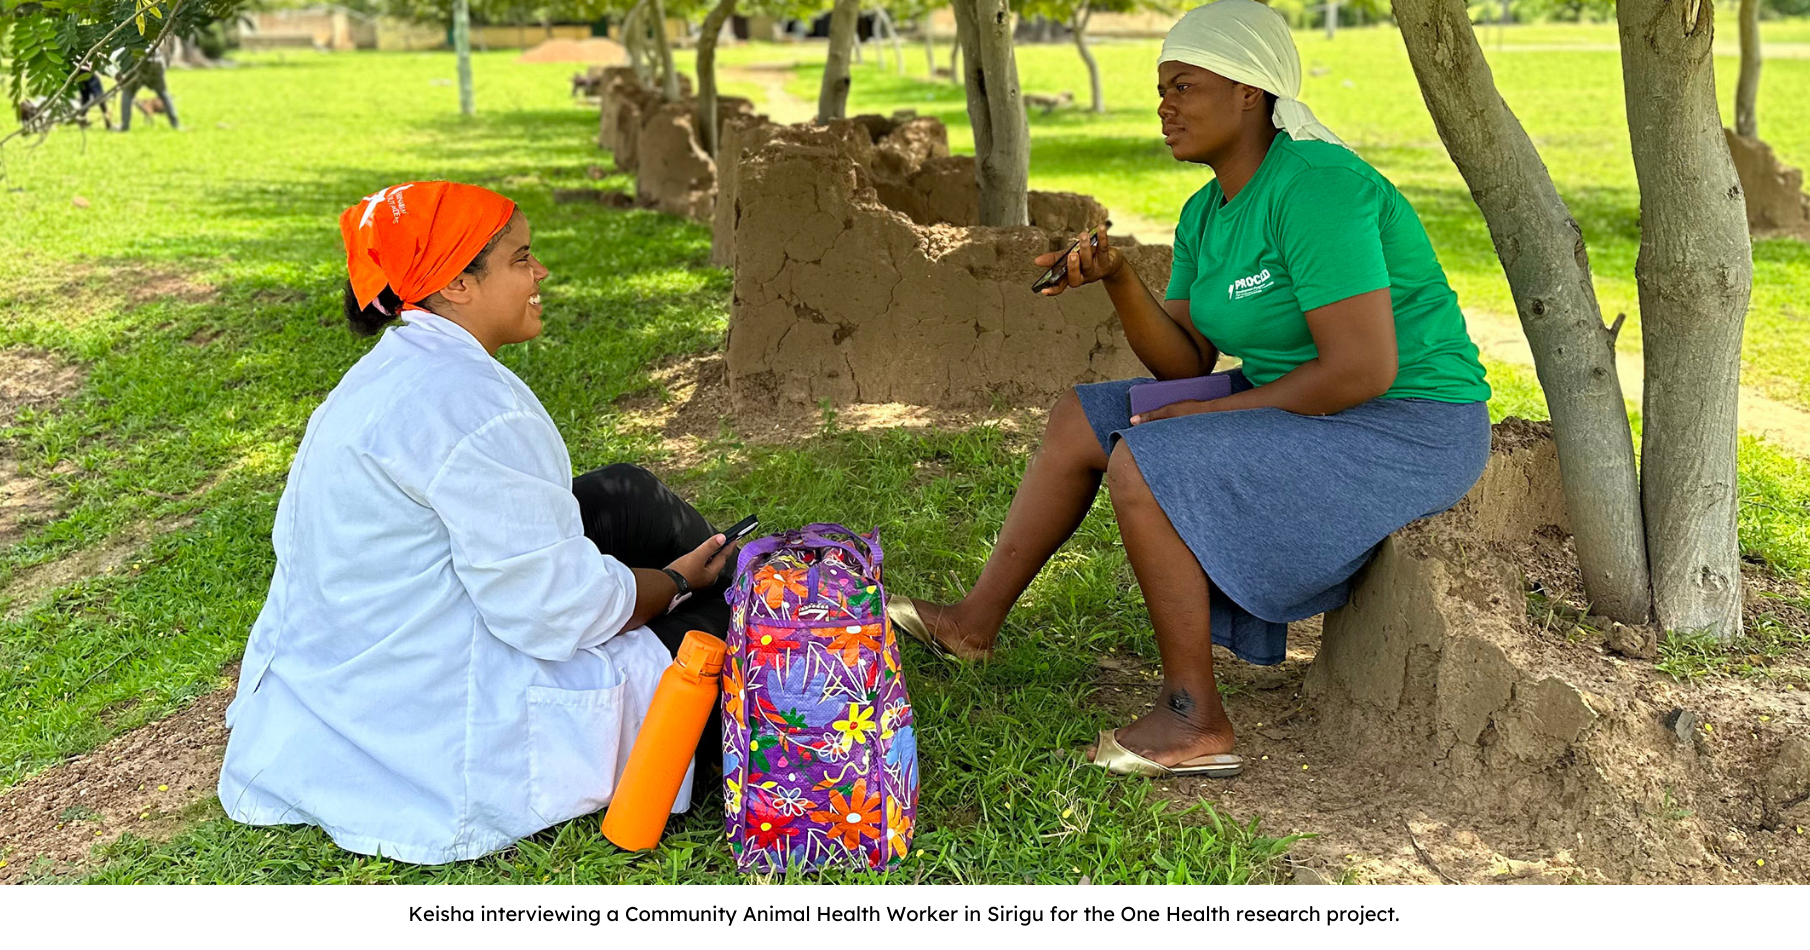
{"x": 1174, "y": 732}
{"x": 955, "y": 633}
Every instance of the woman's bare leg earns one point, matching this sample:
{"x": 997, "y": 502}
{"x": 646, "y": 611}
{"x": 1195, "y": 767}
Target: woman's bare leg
{"x": 1188, "y": 720}
{"x": 1058, "y": 488}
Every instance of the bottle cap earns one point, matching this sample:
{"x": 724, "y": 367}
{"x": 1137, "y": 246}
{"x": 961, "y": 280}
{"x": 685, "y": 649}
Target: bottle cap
{"x": 702, "y": 653}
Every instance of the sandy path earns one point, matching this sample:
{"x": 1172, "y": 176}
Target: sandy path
{"x": 778, "y": 103}
{"x": 1783, "y": 424}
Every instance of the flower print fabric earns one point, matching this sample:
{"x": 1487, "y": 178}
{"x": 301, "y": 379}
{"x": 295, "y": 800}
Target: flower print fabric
{"x": 819, "y": 747}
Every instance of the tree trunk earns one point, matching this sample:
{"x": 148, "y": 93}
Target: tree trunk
{"x": 1079, "y": 25}
{"x": 1747, "y": 90}
{"x": 461, "y": 12}
{"x": 955, "y": 57}
{"x": 1542, "y": 252}
{"x": 669, "y": 77}
{"x": 634, "y": 39}
{"x": 882, "y": 18}
{"x": 929, "y": 50}
{"x": 1002, "y": 136}
{"x": 832, "y": 97}
{"x": 1695, "y": 272}
{"x": 1332, "y": 18}
{"x": 708, "y": 129}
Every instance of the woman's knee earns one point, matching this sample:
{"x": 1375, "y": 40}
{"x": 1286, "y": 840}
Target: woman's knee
{"x": 1069, "y": 434}
{"x": 1123, "y": 478}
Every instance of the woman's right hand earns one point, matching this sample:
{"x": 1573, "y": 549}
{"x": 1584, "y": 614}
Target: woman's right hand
{"x": 1086, "y": 263}
{"x": 701, "y": 569}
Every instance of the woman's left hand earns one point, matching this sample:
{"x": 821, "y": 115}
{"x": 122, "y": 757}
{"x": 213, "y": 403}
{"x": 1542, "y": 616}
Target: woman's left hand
{"x": 1187, "y": 407}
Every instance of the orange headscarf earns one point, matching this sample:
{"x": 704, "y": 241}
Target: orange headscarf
{"x": 416, "y": 237}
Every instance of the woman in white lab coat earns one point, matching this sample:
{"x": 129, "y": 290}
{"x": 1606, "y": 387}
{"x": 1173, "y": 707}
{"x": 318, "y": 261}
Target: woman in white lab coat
{"x": 456, "y": 648}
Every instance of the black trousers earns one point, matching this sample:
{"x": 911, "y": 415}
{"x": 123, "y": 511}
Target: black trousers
{"x": 633, "y": 517}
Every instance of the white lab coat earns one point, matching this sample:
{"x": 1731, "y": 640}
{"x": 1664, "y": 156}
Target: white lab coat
{"x": 437, "y": 670}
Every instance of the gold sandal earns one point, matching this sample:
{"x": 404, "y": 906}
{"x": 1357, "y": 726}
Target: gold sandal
{"x": 1115, "y": 758}
{"x": 903, "y": 614}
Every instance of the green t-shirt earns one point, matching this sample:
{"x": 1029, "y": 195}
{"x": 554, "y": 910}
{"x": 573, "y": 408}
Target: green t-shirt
{"x": 1315, "y": 225}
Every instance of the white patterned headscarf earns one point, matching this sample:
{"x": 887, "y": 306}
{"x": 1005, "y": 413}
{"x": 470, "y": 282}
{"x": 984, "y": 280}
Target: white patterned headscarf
{"x": 1247, "y": 42}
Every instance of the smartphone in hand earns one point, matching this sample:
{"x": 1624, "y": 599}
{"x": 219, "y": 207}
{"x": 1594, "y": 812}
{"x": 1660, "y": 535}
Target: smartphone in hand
{"x": 738, "y": 531}
{"x": 1058, "y": 271}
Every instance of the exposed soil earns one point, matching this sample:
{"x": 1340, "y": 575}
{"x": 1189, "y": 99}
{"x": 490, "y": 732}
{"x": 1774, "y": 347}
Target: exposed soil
{"x": 689, "y": 405}
{"x": 142, "y": 782}
{"x": 34, "y": 379}
{"x": 1575, "y": 766}
{"x": 596, "y": 49}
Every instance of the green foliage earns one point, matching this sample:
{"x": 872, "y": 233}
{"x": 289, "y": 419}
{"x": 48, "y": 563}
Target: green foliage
{"x": 48, "y": 44}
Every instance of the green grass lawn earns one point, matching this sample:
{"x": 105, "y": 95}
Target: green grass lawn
{"x": 195, "y": 402}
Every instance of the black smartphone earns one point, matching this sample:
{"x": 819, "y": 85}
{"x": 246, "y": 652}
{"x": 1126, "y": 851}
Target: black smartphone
{"x": 1058, "y": 271}
{"x": 738, "y": 531}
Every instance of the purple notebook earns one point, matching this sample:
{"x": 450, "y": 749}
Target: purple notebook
{"x": 1148, "y": 396}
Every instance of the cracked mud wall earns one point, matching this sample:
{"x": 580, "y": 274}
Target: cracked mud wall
{"x": 840, "y": 298}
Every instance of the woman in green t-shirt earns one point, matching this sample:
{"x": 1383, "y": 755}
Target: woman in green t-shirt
{"x": 1359, "y": 405}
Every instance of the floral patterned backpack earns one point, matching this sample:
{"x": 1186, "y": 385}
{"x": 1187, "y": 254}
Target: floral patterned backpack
{"x": 820, "y": 764}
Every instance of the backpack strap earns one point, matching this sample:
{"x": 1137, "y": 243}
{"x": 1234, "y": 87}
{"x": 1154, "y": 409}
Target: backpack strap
{"x": 869, "y": 560}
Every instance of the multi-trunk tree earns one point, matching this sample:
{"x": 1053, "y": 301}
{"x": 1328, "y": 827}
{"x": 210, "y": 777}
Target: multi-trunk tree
{"x": 1657, "y": 544}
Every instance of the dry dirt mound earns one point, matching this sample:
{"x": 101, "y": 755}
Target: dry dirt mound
{"x": 140, "y": 782}
{"x": 598, "y": 50}
{"x": 1438, "y": 732}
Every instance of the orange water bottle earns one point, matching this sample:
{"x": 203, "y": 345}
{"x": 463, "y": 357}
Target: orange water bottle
{"x": 665, "y": 745}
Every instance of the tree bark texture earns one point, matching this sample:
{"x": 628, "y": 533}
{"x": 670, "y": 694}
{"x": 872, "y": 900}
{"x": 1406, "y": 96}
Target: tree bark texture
{"x": 832, "y": 96}
{"x": 669, "y": 77}
{"x": 1695, "y": 273}
{"x": 1079, "y": 25}
{"x": 461, "y": 28}
{"x": 1747, "y": 89}
{"x": 708, "y": 129}
{"x": 882, "y": 18}
{"x": 1542, "y": 252}
{"x": 1002, "y": 135}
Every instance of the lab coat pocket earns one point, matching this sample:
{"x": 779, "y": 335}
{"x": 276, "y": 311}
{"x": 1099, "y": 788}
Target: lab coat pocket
{"x": 574, "y": 742}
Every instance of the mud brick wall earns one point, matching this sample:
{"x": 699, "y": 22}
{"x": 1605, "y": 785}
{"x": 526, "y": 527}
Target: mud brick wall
{"x": 889, "y": 148}
{"x": 907, "y": 162}
{"x": 839, "y": 297}
{"x": 675, "y": 175}
{"x": 1776, "y": 202}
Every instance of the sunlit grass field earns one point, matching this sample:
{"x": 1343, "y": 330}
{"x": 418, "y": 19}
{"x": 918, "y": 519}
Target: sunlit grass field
{"x": 199, "y": 289}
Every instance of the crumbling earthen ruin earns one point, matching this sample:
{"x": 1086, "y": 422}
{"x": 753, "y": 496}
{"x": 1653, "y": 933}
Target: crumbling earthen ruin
{"x": 839, "y": 297}
{"x": 908, "y": 164}
{"x": 674, "y": 174}
{"x": 622, "y": 104}
{"x": 1776, "y": 203}
{"x": 1434, "y": 676}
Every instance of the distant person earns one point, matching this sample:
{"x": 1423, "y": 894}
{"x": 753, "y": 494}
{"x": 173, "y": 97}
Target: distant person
{"x": 92, "y": 93}
{"x": 1360, "y": 405}
{"x": 144, "y": 70}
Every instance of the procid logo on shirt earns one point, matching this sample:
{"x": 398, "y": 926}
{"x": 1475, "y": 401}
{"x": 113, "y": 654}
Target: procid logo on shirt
{"x": 1249, "y": 286}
